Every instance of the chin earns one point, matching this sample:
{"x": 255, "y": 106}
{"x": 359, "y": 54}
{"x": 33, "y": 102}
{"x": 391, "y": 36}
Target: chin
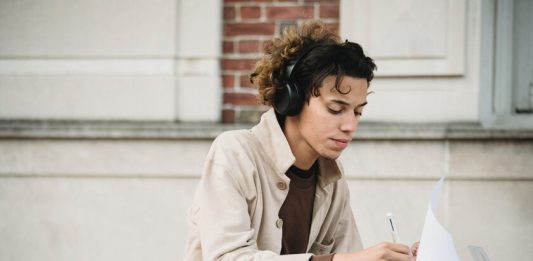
{"x": 332, "y": 155}
{"x": 331, "y": 158}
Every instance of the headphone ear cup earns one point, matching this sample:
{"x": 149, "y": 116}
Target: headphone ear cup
{"x": 288, "y": 100}
{"x": 282, "y": 100}
{"x": 295, "y": 100}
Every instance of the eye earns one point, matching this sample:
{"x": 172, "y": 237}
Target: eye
{"x": 334, "y": 111}
{"x": 358, "y": 113}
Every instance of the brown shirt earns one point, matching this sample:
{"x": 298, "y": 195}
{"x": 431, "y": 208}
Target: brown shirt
{"x": 297, "y": 212}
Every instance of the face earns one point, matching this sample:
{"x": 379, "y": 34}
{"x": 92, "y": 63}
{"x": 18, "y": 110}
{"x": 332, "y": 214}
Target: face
{"x": 327, "y": 122}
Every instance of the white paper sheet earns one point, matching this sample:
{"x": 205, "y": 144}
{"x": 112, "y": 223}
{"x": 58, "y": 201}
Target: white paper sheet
{"x": 436, "y": 244}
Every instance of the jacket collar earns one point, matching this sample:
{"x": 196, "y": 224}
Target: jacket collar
{"x": 269, "y": 134}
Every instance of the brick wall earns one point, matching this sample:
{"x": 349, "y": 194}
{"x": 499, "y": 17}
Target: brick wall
{"x": 248, "y": 24}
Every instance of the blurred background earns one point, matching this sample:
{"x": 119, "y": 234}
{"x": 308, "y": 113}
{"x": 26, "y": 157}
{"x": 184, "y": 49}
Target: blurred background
{"x": 108, "y": 108}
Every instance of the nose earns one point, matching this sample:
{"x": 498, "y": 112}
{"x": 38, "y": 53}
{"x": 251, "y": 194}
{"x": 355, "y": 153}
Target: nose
{"x": 349, "y": 123}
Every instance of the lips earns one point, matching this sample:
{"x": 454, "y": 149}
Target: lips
{"x": 341, "y": 143}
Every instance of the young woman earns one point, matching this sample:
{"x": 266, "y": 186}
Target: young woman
{"x": 276, "y": 191}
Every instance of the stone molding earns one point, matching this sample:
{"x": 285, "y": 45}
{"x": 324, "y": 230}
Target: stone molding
{"x": 41, "y": 129}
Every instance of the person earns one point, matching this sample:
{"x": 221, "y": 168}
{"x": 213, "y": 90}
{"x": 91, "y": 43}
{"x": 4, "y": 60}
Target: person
{"x": 276, "y": 191}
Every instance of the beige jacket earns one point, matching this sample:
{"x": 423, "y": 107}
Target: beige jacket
{"x": 235, "y": 211}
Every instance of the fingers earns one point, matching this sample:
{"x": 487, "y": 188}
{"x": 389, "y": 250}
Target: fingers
{"x": 395, "y": 252}
{"x": 385, "y": 251}
{"x": 414, "y": 248}
{"x": 396, "y": 256}
{"x": 399, "y": 248}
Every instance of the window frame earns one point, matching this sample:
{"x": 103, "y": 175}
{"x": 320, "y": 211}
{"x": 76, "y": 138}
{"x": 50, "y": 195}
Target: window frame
{"x": 496, "y": 68}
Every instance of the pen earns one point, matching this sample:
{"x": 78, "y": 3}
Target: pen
{"x": 392, "y": 223}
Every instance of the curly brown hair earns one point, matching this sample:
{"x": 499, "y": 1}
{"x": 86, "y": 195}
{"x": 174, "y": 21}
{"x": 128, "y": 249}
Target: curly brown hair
{"x": 267, "y": 76}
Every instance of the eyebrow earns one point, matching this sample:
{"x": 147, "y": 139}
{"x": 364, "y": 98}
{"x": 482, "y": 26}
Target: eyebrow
{"x": 346, "y": 103}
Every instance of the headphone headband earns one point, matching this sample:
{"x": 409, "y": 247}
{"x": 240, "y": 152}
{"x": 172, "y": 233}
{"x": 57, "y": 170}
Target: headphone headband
{"x": 289, "y": 68}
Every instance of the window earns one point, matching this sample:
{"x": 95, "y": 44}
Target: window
{"x": 507, "y": 64}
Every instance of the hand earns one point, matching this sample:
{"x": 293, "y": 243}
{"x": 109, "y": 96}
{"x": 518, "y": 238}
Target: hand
{"x": 385, "y": 251}
{"x": 414, "y": 249}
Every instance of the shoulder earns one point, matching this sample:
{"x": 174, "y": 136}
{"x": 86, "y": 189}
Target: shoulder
{"x": 234, "y": 150}
{"x": 233, "y": 138}
{"x": 233, "y": 158}
{"x": 234, "y": 142}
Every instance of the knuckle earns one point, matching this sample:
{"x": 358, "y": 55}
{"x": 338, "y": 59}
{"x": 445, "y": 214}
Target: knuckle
{"x": 382, "y": 253}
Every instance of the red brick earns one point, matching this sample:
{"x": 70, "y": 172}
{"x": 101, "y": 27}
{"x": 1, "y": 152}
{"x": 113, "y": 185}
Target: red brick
{"x": 240, "y": 99}
{"x": 250, "y": 12}
{"x": 228, "y": 116}
{"x": 227, "y": 47}
{"x": 251, "y": 46}
{"x": 245, "y": 81}
{"x": 238, "y": 64}
{"x": 229, "y": 13}
{"x": 249, "y": 29}
{"x": 247, "y": 1}
{"x": 321, "y": 1}
{"x": 290, "y": 12}
{"x": 228, "y": 81}
{"x": 329, "y": 11}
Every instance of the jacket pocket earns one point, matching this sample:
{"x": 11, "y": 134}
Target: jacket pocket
{"x": 324, "y": 247}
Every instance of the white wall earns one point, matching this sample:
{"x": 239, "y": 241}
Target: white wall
{"x": 110, "y": 60}
{"x": 96, "y": 199}
{"x": 427, "y": 54}
{"x": 122, "y": 199}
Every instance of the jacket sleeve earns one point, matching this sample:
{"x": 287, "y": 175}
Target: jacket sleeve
{"x": 223, "y": 221}
{"x": 347, "y": 237}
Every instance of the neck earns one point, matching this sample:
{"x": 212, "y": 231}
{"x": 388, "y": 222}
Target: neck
{"x": 305, "y": 155}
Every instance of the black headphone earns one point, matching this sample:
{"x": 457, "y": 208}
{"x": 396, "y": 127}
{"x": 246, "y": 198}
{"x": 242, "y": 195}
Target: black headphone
{"x": 290, "y": 98}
